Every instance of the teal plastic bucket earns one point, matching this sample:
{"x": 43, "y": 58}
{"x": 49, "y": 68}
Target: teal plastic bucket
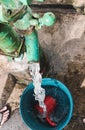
{"x": 63, "y": 111}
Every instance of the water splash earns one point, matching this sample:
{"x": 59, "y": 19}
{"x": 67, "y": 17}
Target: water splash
{"x": 38, "y": 90}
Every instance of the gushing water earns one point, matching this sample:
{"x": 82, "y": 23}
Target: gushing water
{"x": 38, "y": 90}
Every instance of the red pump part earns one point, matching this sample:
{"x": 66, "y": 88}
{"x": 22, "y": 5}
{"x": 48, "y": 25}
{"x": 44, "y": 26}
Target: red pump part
{"x": 50, "y": 103}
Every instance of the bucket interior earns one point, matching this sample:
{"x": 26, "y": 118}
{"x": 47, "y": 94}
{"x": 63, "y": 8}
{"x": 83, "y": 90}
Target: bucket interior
{"x": 59, "y": 116}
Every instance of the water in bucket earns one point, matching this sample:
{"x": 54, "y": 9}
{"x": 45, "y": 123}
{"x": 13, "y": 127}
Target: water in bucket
{"x": 62, "y": 107}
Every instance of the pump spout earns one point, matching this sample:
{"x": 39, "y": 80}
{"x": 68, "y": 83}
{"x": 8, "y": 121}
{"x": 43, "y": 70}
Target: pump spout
{"x": 32, "y": 47}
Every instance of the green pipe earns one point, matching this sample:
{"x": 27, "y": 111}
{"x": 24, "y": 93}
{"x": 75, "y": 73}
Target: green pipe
{"x": 9, "y": 40}
{"x": 32, "y": 47}
{"x": 13, "y": 3}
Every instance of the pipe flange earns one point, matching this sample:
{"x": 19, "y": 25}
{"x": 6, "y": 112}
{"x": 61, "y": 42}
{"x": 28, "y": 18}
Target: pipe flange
{"x": 25, "y": 32}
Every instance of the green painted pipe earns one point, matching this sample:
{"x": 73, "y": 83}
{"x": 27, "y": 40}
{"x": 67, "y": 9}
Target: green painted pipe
{"x": 27, "y": 2}
{"x": 9, "y": 40}
{"x": 32, "y": 47}
{"x": 13, "y": 3}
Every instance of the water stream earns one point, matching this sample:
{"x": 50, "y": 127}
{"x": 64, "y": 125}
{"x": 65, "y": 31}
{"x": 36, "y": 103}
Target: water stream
{"x": 39, "y": 92}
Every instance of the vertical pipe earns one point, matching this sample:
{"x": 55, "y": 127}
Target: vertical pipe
{"x": 32, "y": 47}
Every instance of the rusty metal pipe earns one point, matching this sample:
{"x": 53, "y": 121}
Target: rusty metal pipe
{"x": 55, "y": 8}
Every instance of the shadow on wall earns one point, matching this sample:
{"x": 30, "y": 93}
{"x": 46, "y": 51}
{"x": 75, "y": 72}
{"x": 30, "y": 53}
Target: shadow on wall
{"x": 71, "y": 51}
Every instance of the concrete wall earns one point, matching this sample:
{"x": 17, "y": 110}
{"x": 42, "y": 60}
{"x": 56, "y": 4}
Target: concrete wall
{"x": 64, "y": 43}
